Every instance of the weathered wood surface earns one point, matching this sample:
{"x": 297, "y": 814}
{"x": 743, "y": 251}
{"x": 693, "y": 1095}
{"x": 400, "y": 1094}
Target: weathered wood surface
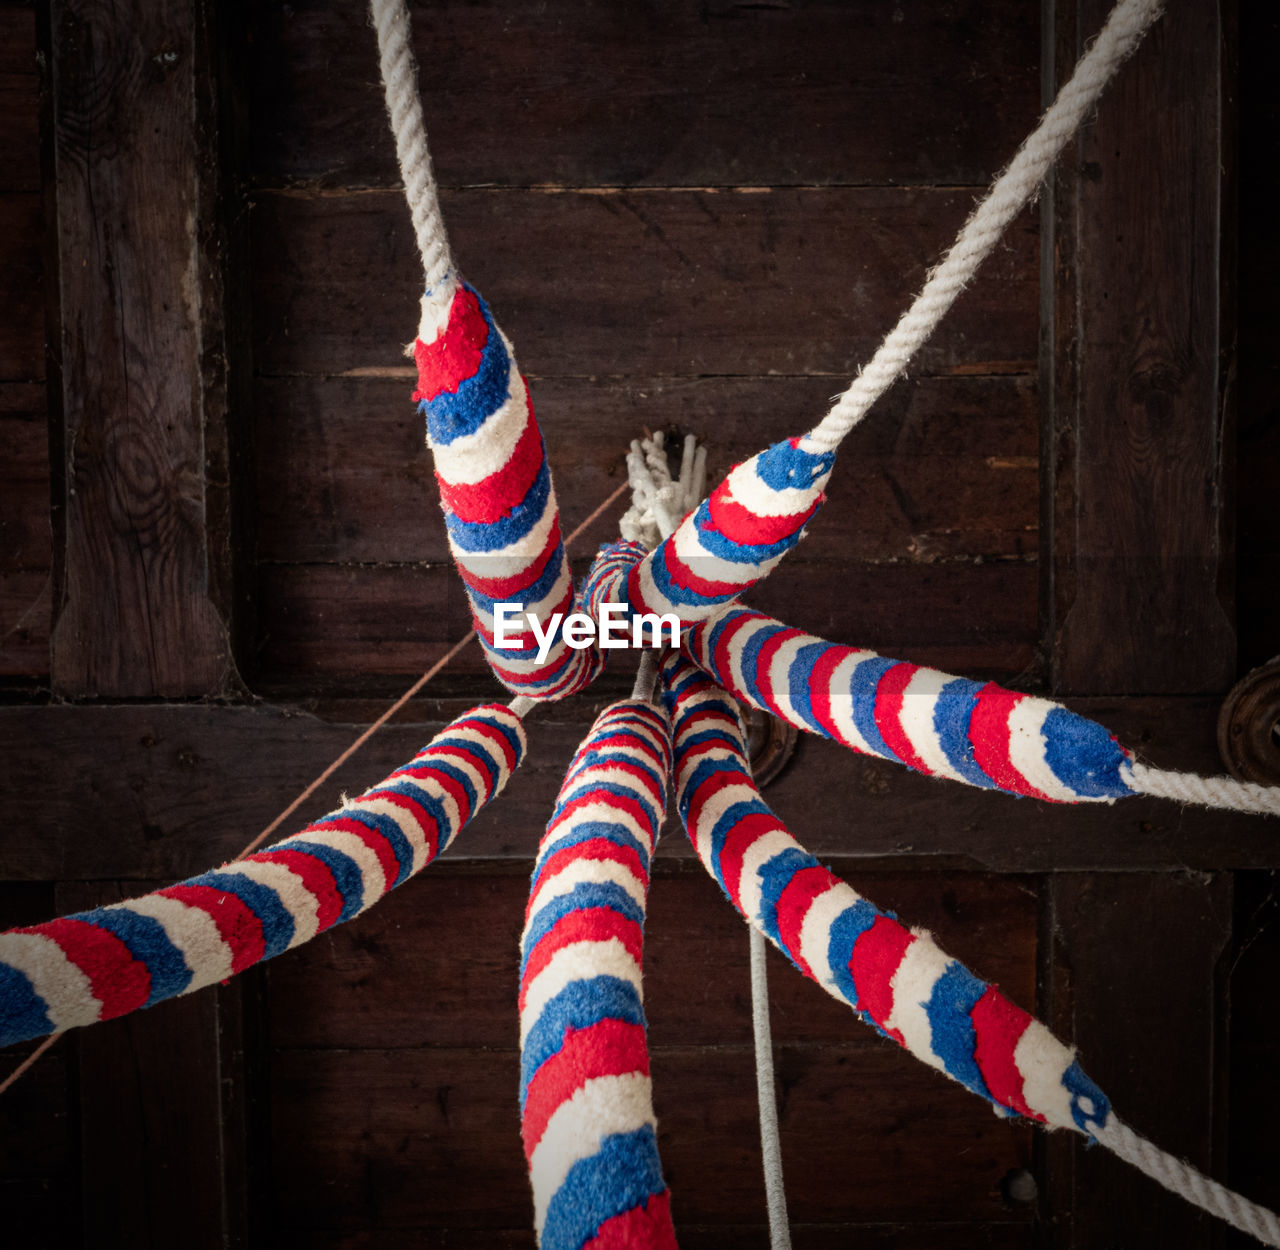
{"x": 22, "y": 330}
{"x": 157, "y": 793}
{"x": 782, "y": 281}
{"x": 19, "y": 100}
{"x": 1142, "y": 562}
{"x": 671, "y": 94}
{"x": 137, "y": 613}
{"x": 1134, "y": 982}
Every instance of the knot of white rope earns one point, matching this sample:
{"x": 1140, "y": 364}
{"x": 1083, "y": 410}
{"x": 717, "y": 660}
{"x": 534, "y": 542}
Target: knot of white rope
{"x": 659, "y": 502}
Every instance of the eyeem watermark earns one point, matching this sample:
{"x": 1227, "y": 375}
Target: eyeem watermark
{"x": 580, "y": 630}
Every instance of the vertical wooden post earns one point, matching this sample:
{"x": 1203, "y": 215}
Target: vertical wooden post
{"x": 1136, "y": 458}
{"x": 138, "y": 607}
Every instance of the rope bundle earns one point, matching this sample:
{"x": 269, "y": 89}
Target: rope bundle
{"x": 590, "y": 1136}
{"x": 99, "y": 964}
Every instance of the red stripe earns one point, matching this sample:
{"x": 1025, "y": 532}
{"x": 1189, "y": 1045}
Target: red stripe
{"x": 820, "y": 691}
{"x": 720, "y": 662}
{"x": 616, "y": 801}
{"x": 746, "y": 832}
{"x": 585, "y": 924}
{"x": 998, "y": 1026}
{"x": 598, "y": 850}
{"x": 635, "y": 770}
{"x": 876, "y": 956}
{"x": 237, "y": 923}
{"x": 989, "y": 734}
{"x": 646, "y": 1227}
{"x": 503, "y": 588}
{"x": 887, "y": 710}
{"x": 376, "y": 842}
{"x": 607, "y": 1048}
{"x": 764, "y": 663}
{"x": 455, "y": 356}
{"x": 119, "y": 982}
{"x": 493, "y": 498}
{"x": 432, "y": 834}
{"x": 315, "y": 875}
{"x": 684, "y": 577}
{"x": 793, "y": 906}
{"x": 740, "y": 525}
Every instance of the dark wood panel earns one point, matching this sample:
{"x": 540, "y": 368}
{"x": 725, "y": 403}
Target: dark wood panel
{"x": 641, "y": 282}
{"x": 412, "y": 1138}
{"x": 25, "y": 540}
{"x": 19, "y": 101}
{"x": 1142, "y": 573}
{"x": 158, "y": 793}
{"x": 22, "y": 329}
{"x": 671, "y": 94}
{"x": 341, "y": 622}
{"x": 438, "y": 964}
{"x": 1139, "y": 956}
{"x": 948, "y": 471}
{"x": 137, "y": 617}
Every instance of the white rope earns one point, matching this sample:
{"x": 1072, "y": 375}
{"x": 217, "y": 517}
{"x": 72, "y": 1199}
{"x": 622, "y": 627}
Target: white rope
{"x": 646, "y": 677}
{"x": 1224, "y": 792}
{"x": 1122, "y": 33}
{"x": 400, "y": 87}
{"x": 1180, "y": 1177}
{"x": 770, "y": 1144}
{"x": 522, "y": 705}
{"x": 658, "y": 502}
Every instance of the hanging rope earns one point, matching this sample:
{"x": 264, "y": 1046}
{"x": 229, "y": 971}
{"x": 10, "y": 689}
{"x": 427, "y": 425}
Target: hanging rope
{"x": 1009, "y": 194}
{"x": 1222, "y": 792}
{"x": 775, "y": 1194}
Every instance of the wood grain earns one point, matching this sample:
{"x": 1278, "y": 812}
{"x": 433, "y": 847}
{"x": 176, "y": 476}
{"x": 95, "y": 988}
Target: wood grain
{"x": 668, "y": 94}
{"x": 19, "y": 101}
{"x": 136, "y": 617}
{"x": 780, "y": 281}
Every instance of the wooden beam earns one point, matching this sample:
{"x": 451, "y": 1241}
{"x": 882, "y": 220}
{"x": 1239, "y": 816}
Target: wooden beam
{"x": 138, "y": 606}
{"x": 1136, "y": 466}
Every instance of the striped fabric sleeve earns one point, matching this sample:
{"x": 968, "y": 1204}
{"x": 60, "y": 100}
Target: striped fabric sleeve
{"x": 970, "y": 731}
{"x": 96, "y": 965}
{"x": 498, "y": 500}
{"x": 590, "y": 1135}
{"x": 894, "y": 977}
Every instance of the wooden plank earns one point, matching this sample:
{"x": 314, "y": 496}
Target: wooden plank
{"x": 22, "y": 329}
{"x": 159, "y": 793}
{"x": 343, "y": 622}
{"x": 1140, "y": 566}
{"x": 138, "y": 615}
{"x": 348, "y": 990}
{"x": 785, "y": 281}
{"x": 430, "y": 1138}
{"x": 947, "y": 471}
{"x": 151, "y": 1113}
{"x": 731, "y": 94}
{"x": 19, "y": 101}
{"x": 1139, "y": 954}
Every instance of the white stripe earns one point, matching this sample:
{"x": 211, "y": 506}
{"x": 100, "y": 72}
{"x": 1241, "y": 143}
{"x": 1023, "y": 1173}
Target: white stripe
{"x": 1043, "y": 1060}
{"x": 517, "y": 556}
{"x": 919, "y": 702}
{"x": 408, "y": 824}
{"x": 592, "y": 812}
{"x": 588, "y": 871}
{"x": 840, "y": 701}
{"x": 754, "y": 494}
{"x": 738, "y": 644}
{"x": 912, "y": 984}
{"x": 67, "y": 993}
{"x": 761, "y": 851}
{"x": 374, "y": 882}
{"x": 702, "y": 562}
{"x": 711, "y": 811}
{"x": 578, "y": 961}
{"x": 490, "y": 749}
{"x": 192, "y": 931}
{"x": 815, "y": 932}
{"x": 780, "y": 676}
{"x": 478, "y": 455}
{"x": 576, "y": 1129}
{"x": 292, "y": 892}
{"x": 466, "y": 765}
{"x": 518, "y": 627}
{"x": 1027, "y": 746}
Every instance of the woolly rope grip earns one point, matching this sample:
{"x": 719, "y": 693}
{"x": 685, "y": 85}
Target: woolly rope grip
{"x": 99, "y": 964}
{"x": 498, "y": 500}
{"x": 970, "y": 731}
{"x": 895, "y": 978}
{"x": 586, "y": 1108}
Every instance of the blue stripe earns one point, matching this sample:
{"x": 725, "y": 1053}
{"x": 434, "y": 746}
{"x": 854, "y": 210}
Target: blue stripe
{"x": 583, "y": 895}
{"x": 384, "y": 825}
{"x": 619, "y": 835}
{"x": 607, "y": 787}
{"x": 862, "y": 690}
{"x": 724, "y": 548}
{"x": 346, "y": 872}
{"x": 751, "y": 657}
{"x": 531, "y": 594}
{"x": 452, "y": 415}
{"x": 608, "y": 756}
{"x": 800, "y": 684}
{"x": 955, "y": 994}
{"x": 276, "y": 920}
{"x": 433, "y": 806}
{"x": 725, "y": 736}
{"x": 579, "y": 1005}
{"x": 724, "y": 826}
{"x": 23, "y": 1014}
{"x": 951, "y": 716}
{"x": 449, "y": 770}
{"x": 149, "y": 943}
{"x": 775, "y": 875}
{"x": 848, "y": 927}
{"x": 680, "y": 595}
{"x": 509, "y": 732}
{"x": 707, "y": 768}
{"x": 1083, "y": 756}
{"x": 494, "y": 535}
{"x": 783, "y": 467}
{"x": 625, "y": 1173}
{"x": 1079, "y": 1086}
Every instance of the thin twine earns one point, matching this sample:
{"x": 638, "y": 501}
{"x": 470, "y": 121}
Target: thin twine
{"x": 766, "y": 1097}
{"x": 337, "y": 763}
